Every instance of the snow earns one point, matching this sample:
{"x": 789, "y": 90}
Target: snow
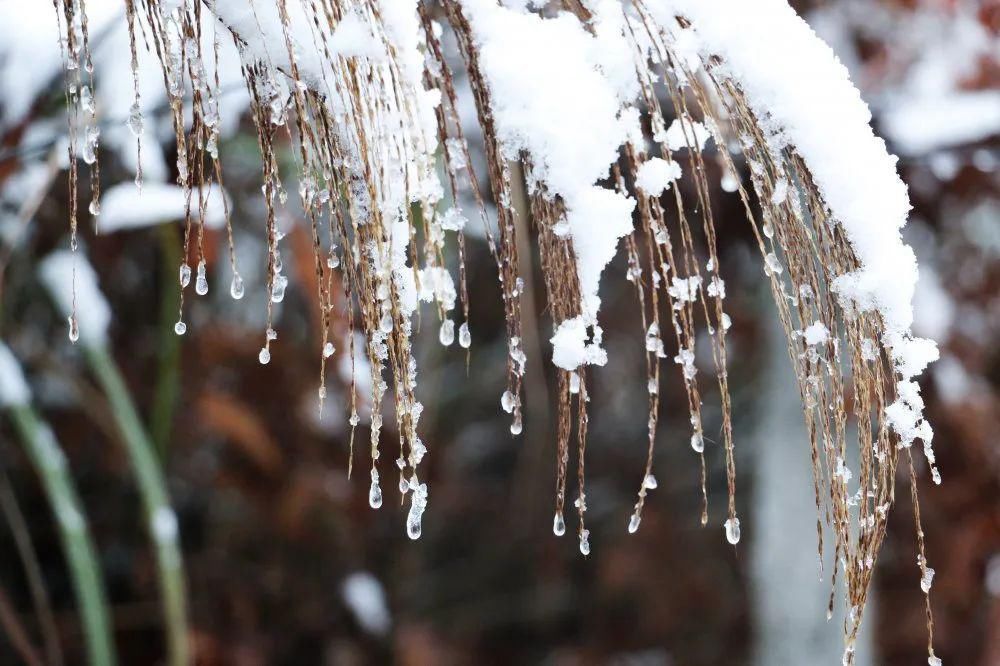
{"x": 365, "y": 597}
{"x": 353, "y": 37}
{"x": 93, "y": 313}
{"x": 926, "y": 124}
{"x": 14, "y": 389}
{"x": 572, "y": 348}
{"x": 816, "y": 333}
{"x": 696, "y": 133}
{"x": 655, "y": 176}
{"x": 566, "y": 116}
{"x": 803, "y": 97}
{"x": 125, "y": 207}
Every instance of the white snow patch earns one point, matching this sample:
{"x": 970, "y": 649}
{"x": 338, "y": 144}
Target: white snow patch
{"x": 655, "y": 176}
{"x": 365, "y": 597}
{"x": 14, "y": 389}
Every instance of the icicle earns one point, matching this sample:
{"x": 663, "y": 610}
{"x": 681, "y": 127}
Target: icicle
{"x": 516, "y": 425}
{"x": 633, "y": 523}
{"x": 417, "y": 505}
{"x": 558, "y": 524}
{"x": 236, "y": 289}
{"x": 447, "y": 333}
{"x": 698, "y": 442}
{"x": 74, "y": 329}
{"x": 507, "y": 401}
{"x": 375, "y": 492}
{"x": 733, "y": 530}
{"x": 201, "y": 282}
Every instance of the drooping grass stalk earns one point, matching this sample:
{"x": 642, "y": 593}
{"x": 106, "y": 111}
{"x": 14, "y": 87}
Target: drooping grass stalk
{"x": 88, "y": 584}
{"x": 160, "y": 518}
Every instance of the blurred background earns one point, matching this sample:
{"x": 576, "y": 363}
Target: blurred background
{"x": 287, "y": 564}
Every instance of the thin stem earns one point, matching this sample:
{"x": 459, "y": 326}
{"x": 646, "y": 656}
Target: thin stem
{"x": 50, "y": 463}
{"x": 160, "y": 518}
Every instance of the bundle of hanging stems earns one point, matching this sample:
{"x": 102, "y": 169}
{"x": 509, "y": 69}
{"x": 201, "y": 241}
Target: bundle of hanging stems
{"x": 368, "y": 93}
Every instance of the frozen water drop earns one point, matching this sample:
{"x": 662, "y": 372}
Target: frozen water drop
{"x": 933, "y": 661}
{"x": 574, "y": 382}
{"x": 447, "y": 333}
{"x": 328, "y": 350}
{"x": 278, "y": 288}
{"x": 201, "y": 282}
{"x": 74, "y": 329}
{"x": 135, "y": 124}
{"x": 772, "y": 264}
{"x": 385, "y": 323}
{"x": 585, "y": 542}
{"x": 698, "y": 442}
{"x": 95, "y": 207}
{"x": 507, "y": 401}
{"x": 927, "y": 579}
{"x": 516, "y": 426}
{"x": 558, "y": 524}
{"x": 264, "y": 356}
{"x": 185, "y": 275}
{"x": 633, "y": 523}
{"x": 375, "y": 492}
{"x": 464, "y": 336}
{"x": 649, "y": 482}
{"x": 236, "y": 289}
{"x": 733, "y": 530}
{"x": 180, "y": 328}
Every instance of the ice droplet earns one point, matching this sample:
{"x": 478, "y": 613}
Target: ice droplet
{"x": 649, "y": 482}
{"x": 927, "y": 579}
{"x": 558, "y": 524}
{"x": 633, "y": 523}
{"x": 385, "y": 324}
{"x": 278, "y": 288}
{"x": 201, "y": 282}
{"x": 135, "y": 124}
{"x": 516, "y": 426}
{"x": 74, "y": 329}
{"x": 328, "y": 350}
{"x": 375, "y": 492}
{"x": 95, "y": 207}
{"x": 698, "y": 442}
{"x": 264, "y": 356}
{"x": 236, "y": 289}
{"x": 180, "y": 328}
{"x": 185, "y": 275}
{"x": 933, "y": 661}
{"x": 733, "y": 530}
{"x": 507, "y": 401}
{"x": 772, "y": 264}
{"x": 585, "y": 542}
{"x": 464, "y": 336}
{"x": 447, "y": 333}
{"x": 574, "y": 382}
